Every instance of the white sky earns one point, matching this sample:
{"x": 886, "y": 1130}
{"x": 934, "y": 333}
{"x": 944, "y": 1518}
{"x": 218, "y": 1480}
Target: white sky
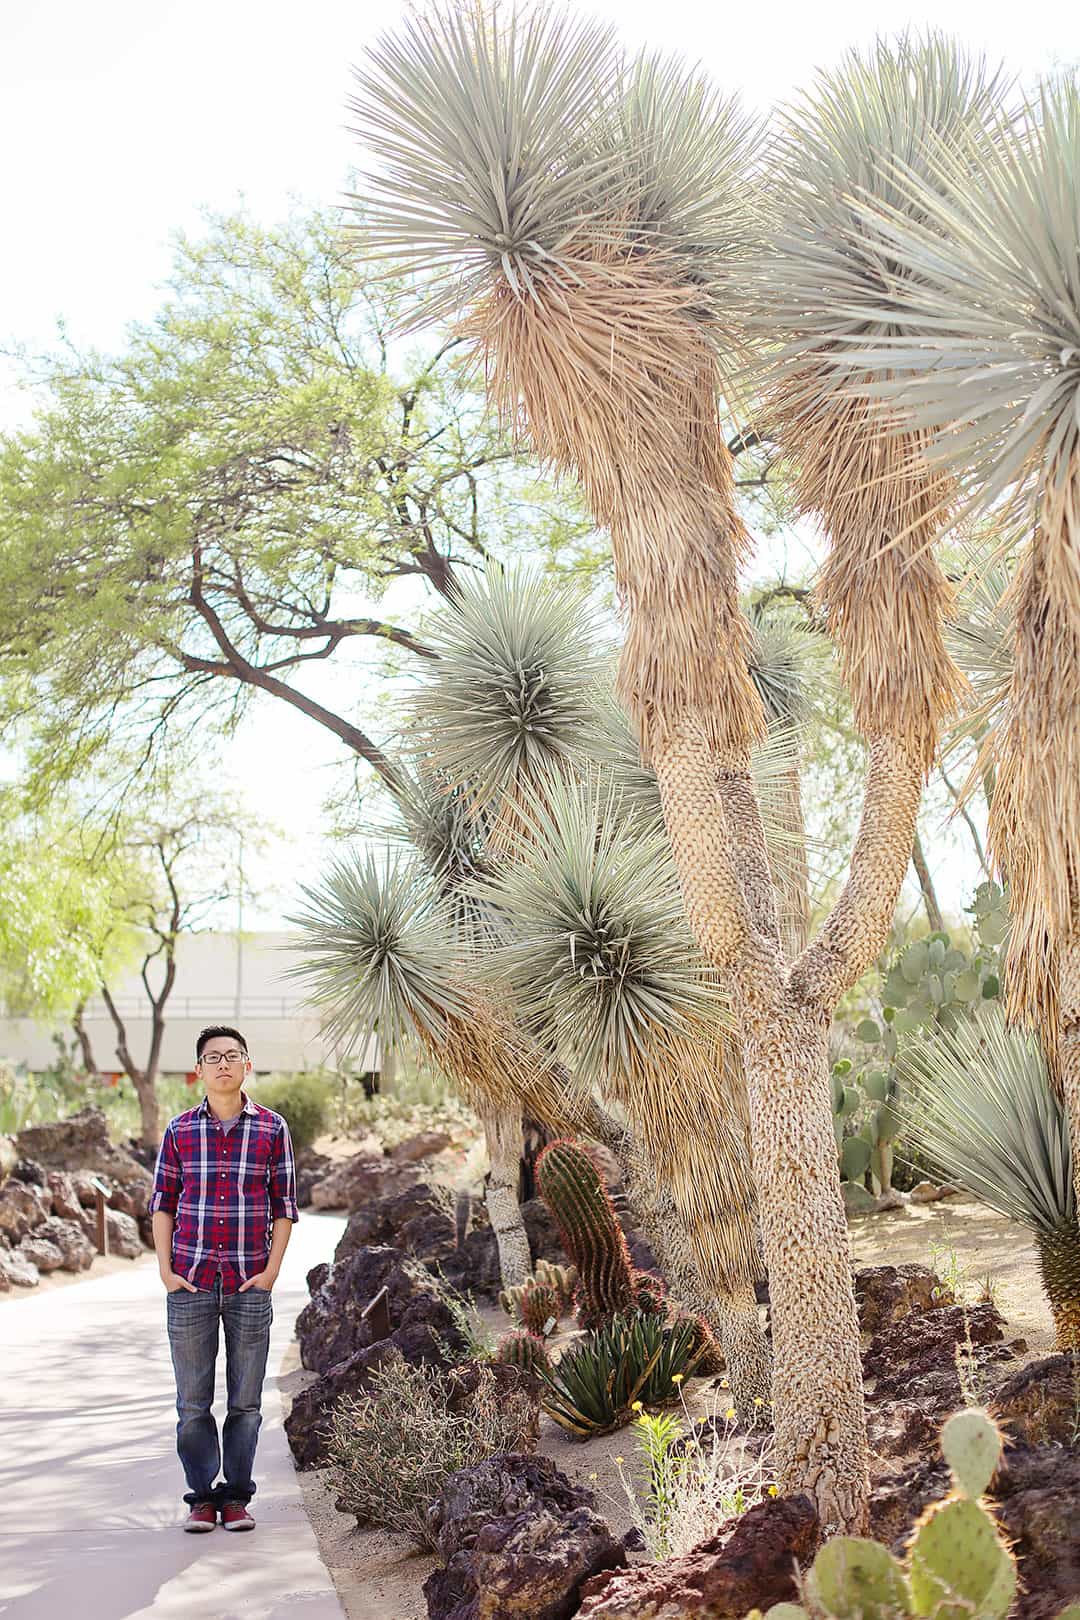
{"x": 121, "y": 118}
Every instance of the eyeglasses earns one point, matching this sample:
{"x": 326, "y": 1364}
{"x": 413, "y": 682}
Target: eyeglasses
{"x": 222, "y": 1057}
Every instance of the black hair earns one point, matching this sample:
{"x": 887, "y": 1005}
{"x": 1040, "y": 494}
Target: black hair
{"x": 211, "y": 1030}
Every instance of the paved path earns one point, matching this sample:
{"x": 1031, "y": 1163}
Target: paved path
{"x": 90, "y": 1483}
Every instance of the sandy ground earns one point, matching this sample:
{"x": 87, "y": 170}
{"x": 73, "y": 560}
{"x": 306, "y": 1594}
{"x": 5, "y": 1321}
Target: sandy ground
{"x": 379, "y": 1575}
{"x": 101, "y": 1266}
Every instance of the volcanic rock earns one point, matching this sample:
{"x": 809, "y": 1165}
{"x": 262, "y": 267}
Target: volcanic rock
{"x": 17, "y": 1270}
{"x": 750, "y": 1563}
{"x": 1040, "y": 1404}
{"x": 23, "y": 1207}
{"x": 82, "y": 1142}
{"x": 424, "y": 1145}
{"x": 518, "y": 1540}
{"x": 886, "y": 1293}
{"x": 332, "y": 1326}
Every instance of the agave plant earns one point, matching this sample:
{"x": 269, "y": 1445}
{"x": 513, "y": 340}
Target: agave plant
{"x": 981, "y": 1108}
{"x": 589, "y": 219}
{"x": 595, "y": 1384}
{"x": 984, "y": 359}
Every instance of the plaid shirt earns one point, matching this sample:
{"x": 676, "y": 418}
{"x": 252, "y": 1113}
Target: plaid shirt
{"x": 225, "y": 1189}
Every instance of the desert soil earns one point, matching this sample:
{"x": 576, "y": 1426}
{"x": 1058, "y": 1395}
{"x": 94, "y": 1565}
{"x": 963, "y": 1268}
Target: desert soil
{"x": 379, "y": 1574}
{"x": 100, "y": 1266}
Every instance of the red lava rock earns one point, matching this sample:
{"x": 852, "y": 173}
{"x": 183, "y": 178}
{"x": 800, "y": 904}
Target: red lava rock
{"x": 750, "y": 1563}
{"x": 925, "y": 1342}
{"x": 22, "y": 1208}
{"x": 884, "y": 1294}
{"x": 361, "y": 1180}
{"x": 333, "y": 1327}
{"x": 424, "y": 1145}
{"x": 517, "y": 1540}
{"x": 1040, "y": 1404}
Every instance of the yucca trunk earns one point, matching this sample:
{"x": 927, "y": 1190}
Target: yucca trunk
{"x": 503, "y": 1136}
{"x": 1067, "y": 1066}
{"x": 686, "y": 1249}
{"x": 817, "y": 1381}
{"x": 1059, "y": 1267}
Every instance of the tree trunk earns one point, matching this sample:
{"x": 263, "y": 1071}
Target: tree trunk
{"x": 149, "y": 1111}
{"x": 502, "y": 1133}
{"x": 818, "y": 1406}
{"x": 791, "y": 870}
{"x": 1067, "y": 1046}
{"x": 926, "y": 884}
{"x": 731, "y": 1311}
{"x": 89, "y": 1061}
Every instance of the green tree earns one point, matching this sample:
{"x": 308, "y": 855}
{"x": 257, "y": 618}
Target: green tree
{"x": 89, "y": 896}
{"x": 236, "y": 497}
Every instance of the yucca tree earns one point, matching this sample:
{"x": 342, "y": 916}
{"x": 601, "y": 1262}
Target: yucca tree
{"x": 597, "y": 954}
{"x": 984, "y": 356}
{"x": 385, "y": 950}
{"x": 979, "y": 1104}
{"x": 587, "y": 218}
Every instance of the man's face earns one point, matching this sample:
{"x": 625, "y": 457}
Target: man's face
{"x": 224, "y": 1065}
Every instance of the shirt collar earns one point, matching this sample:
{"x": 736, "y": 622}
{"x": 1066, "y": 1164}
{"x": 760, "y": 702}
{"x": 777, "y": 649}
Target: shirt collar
{"x": 246, "y": 1106}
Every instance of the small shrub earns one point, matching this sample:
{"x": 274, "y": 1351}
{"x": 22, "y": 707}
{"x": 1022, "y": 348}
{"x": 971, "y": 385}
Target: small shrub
{"x": 302, "y": 1100}
{"x": 694, "y": 1477}
{"x": 635, "y": 1361}
{"x": 392, "y": 1451}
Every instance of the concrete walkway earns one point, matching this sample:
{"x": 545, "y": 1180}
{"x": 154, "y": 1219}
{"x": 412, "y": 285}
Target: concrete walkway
{"x": 90, "y": 1483}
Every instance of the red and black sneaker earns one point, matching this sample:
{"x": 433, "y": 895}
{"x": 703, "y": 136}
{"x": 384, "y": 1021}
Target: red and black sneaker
{"x": 235, "y": 1516}
{"x": 203, "y": 1517}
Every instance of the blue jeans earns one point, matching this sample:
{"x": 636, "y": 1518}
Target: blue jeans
{"x": 193, "y": 1339}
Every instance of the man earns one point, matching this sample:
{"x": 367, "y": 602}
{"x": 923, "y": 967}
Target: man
{"x": 223, "y": 1208}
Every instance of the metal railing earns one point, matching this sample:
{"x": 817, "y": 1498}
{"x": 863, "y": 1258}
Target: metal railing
{"x": 204, "y": 1009}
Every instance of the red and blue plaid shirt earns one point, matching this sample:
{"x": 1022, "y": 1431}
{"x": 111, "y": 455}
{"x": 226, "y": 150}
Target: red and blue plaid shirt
{"x": 225, "y": 1190}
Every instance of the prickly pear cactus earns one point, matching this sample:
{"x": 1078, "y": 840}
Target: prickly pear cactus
{"x": 573, "y": 1189}
{"x": 858, "y": 1580}
{"x": 957, "y": 1567}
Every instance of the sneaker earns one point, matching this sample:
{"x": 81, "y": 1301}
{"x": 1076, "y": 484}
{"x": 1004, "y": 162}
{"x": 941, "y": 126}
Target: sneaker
{"x": 203, "y": 1517}
{"x": 235, "y": 1516}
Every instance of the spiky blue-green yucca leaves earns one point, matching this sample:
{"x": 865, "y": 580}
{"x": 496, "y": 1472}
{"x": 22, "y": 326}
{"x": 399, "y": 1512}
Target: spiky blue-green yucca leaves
{"x": 512, "y": 696}
{"x": 599, "y": 951}
{"x": 980, "y": 1106}
{"x": 511, "y": 142}
{"x": 378, "y": 938}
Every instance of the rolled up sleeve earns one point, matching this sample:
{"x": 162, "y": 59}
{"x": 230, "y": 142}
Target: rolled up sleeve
{"x": 283, "y": 1178}
{"x": 168, "y": 1176}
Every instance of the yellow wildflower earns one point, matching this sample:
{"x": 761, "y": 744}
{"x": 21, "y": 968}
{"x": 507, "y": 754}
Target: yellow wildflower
{"x": 635, "y": 1406}
{"x": 772, "y": 1490}
{"x": 676, "y": 1378}
{"x": 758, "y": 1401}
{"x": 730, "y": 1414}
{"x": 619, "y": 1461}
{"x": 592, "y": 1476}
{"x": 724, "y": 1384}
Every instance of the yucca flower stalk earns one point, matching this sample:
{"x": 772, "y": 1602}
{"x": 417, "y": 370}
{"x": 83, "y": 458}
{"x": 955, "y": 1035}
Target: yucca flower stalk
{"x": 587, "y": 217}
{"x": 983, "y": 358}
{"x": 978, "y": 1103}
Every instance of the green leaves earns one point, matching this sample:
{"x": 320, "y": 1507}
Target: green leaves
{"x": 513, "y": 693}
{"x": 597, "y": 948}
{"x": 380, "y": 939}
{"x": 596, "y": 1381}
{"x": 978, "y": 1103}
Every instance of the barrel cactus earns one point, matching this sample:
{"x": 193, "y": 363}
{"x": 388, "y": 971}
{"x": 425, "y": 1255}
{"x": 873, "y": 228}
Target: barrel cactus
{"x": 957, "y": 1567}
{"x": 573, "y": 1189}
{"x": 525, "y": 1351}
{"x": 539, "y": 1309}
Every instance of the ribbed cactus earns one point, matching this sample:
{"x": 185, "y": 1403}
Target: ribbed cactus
{"x": 539, "y": 1309}
{"x": 573, "y": 1189}
{"x": 958, "y": 1567}
{"x": 523, "y": 1350}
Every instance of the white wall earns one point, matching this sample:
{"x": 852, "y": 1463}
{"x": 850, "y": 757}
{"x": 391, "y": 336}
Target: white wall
{"x": 221, "y": 978}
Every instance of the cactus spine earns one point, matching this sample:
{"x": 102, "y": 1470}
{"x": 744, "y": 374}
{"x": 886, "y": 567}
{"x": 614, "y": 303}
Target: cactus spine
{"x": 573, "y": 1189}
{"x": 540, "y": 1309}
